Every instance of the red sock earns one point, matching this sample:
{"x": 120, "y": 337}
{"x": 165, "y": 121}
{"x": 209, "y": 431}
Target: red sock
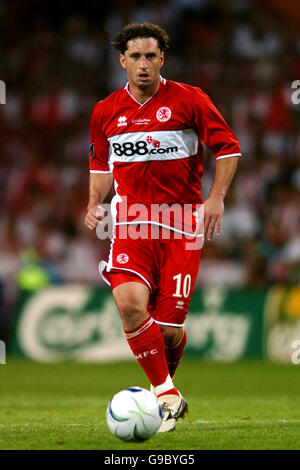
{"x": 174, "y": 354}
{"x": 147, "y": 344}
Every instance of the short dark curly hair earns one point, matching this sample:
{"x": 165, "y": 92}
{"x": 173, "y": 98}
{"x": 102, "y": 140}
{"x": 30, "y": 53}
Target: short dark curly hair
{"x": 141, "y": 30}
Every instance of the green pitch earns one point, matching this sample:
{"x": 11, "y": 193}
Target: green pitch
{"x": 247, "y": 405}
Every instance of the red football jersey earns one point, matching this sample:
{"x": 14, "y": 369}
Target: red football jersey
{"x": 154, "y": 149}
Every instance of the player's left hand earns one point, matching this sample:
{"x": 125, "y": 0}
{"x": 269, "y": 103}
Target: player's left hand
{"x": 213, "y": 212}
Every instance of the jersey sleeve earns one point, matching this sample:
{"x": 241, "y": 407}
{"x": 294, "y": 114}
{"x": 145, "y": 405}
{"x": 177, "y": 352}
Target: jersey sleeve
{"x": 99, "y": 146}
{"x": 213, "y": 129}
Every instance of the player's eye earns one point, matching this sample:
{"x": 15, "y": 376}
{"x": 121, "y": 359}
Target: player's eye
{"x": 150, "y": 56}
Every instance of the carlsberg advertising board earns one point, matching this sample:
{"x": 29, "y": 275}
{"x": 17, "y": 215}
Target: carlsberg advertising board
{"x": 77, "y": 322}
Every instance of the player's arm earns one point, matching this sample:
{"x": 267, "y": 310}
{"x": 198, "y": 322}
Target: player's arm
{"x": 214, "y": 204}
{"x": 101, "y": 178}
{"x": 100, "y": 185}
{"x": 221, "y": 140}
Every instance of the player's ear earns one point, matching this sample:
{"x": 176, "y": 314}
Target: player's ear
{"x": 122, "y": 61}
{"x": 162, "y": 59}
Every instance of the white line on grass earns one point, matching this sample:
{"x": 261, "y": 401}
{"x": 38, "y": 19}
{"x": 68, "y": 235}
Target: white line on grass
{"x": 249, "y": 420}
{"x": 26, "y": 425}
{"x": 199, "y": 421}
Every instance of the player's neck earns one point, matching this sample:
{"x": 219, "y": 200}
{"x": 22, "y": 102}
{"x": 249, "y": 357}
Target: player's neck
{"x": 143, "y": 94}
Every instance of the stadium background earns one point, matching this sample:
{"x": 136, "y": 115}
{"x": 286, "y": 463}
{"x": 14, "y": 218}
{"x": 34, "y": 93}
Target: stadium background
{"x": 57, "y": 62}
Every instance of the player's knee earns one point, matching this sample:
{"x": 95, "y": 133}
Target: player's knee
{"x": 132, "y": 304}
{"x": 127, "y": 307}
{"x": 170, "y": 334}
{"x": 132, "y": 312}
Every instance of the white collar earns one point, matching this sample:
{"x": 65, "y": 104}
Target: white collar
{"x": 161, "y": 79}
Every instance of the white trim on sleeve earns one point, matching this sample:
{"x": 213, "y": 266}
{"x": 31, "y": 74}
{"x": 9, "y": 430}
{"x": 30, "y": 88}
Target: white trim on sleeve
{"x": 229, "y": 155}
{"x": 98, "y": 171}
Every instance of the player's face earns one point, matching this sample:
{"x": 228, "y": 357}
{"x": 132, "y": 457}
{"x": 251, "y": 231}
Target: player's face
{"x": 142, "y": 61}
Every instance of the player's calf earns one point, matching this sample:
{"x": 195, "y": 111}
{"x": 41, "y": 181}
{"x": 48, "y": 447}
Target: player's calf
{"x": 175, "y": 341}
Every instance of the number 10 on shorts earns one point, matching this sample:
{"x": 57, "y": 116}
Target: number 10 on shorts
{"x": 182, "y": 288}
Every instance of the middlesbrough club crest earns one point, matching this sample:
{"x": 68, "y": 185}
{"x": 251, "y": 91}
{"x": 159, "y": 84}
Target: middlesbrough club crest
{"x": 122, "y": 258}
{"x": 163, "y": 114}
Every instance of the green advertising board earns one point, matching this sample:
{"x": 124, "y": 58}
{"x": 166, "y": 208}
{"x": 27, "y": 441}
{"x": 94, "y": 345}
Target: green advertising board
{"x": 226, "y": 325}
{"x": 78, "y": 322}
{"x": 282, "y": 324}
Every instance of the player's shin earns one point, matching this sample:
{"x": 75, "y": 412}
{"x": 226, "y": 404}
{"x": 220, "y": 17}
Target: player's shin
{"x": 147, "y": 345}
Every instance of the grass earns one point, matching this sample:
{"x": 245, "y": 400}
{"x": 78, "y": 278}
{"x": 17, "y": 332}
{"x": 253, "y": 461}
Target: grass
{"x": 246, "y": 405}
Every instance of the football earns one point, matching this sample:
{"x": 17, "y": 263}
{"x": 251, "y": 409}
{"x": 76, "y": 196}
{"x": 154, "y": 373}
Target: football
{"x": 134, "y": 414}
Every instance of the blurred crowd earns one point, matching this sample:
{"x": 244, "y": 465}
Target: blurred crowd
{"x": 57, "y": 62}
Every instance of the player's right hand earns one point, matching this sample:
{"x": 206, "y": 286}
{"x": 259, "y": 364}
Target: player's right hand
{"x": 93, "y": 216}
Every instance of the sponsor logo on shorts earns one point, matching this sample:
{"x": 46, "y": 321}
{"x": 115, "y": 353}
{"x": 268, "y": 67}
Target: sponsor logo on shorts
{"x": 163, "y": 114}
{"x": 122, "y": 258}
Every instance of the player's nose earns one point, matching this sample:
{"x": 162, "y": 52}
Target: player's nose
{"x": 143, "y": 63}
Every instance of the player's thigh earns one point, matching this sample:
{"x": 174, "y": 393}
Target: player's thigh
{"x": 132, "y": 257}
